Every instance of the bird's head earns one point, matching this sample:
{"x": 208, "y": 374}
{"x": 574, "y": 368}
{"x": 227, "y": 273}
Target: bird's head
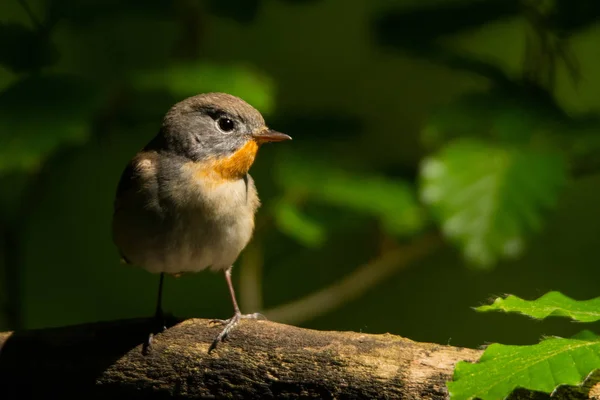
{"x": 217, "y": 130}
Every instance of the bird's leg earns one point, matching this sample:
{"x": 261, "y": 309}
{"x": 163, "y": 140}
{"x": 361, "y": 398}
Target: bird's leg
{"x": 237, "y": 316}
{"x": 159, "y": 315}
{"x": 158, "y": 324}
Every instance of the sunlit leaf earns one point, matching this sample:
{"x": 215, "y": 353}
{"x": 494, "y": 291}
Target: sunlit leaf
{"x": 541, "y": 367}
{"x": 40, "y": 113}
{"x": 488, "y": 198}
{"x": 290, "y": 220}
{"x": 551, "y": 304}
{"x": 392, "y": 201}
{"x": 190, "y": 79}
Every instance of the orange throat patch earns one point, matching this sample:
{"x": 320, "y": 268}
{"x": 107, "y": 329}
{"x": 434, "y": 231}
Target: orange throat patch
{"x": 237, "y": 165}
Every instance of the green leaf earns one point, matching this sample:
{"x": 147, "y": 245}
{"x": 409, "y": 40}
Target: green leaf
{"x": 392, "y": 201}
{"x": 40, "y": 113}
{"x": 551, "y": 304}
{"x": 585, "y": 335}
{"x": 540, "y": 367}
{"x": 488, "y": 198}
{"x": 291, "y": 221}
{"x": 194, "y": 78}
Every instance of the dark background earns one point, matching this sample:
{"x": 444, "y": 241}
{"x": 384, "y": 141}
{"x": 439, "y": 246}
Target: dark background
{"x": 84, "y": 85}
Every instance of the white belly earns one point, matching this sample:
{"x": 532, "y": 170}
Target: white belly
{"x": 212, "y": 226}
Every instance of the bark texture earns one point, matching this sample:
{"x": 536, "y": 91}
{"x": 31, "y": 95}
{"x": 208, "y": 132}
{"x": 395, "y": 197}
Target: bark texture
{"x": 262, "y": 360}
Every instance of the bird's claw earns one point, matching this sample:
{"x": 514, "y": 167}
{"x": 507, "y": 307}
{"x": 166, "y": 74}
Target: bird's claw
{"x": 238, "y": 317}
{"x": 229, "y": 325}
{"x": 159, "y": 327}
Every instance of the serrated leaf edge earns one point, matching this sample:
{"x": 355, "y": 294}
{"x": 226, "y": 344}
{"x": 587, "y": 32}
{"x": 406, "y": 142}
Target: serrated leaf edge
{"x": 546, "y": 357}
{"x": 552, "y": 311}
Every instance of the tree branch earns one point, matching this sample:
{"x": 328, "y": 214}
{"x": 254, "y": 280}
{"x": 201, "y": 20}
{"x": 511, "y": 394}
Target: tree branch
{"x": 262, "y": 360}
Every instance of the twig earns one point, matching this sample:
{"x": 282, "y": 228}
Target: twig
{"x": 355, "y": 284}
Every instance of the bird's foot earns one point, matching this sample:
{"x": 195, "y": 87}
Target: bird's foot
{"x": 237, "y": 317}
{"x": 229, "y": 325}
{"x": 158, "y": 326}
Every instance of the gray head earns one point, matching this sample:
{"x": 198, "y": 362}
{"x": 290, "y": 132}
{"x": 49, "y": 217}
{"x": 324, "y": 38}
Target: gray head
{"x": 211, "y": 125}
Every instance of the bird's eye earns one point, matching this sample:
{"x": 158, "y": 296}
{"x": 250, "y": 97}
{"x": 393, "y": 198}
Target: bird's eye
{"x": 225, "y": 124}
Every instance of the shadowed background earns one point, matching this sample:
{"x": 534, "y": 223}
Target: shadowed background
{"x": 404, "y": 115}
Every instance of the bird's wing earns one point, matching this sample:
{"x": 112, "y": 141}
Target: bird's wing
{"x": 139, "y": 174}
{"x": 137, "y": 185}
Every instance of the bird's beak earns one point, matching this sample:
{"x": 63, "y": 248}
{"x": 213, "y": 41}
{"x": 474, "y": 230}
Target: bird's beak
{"x": 269, "y": 135}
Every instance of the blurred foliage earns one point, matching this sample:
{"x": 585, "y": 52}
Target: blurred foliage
{"x": 392, "y": 202}
{"x": 31, "y": 106}
{"x": 290, "y": 220}
{"x": 488, "y": 197}
{"x": 184, "y": 80}
{"x": 243, "y": 11}
{"x": 425, "y": 23}
{"x": 509, "y": 116}
{"x": 14, "y": 38}
{"x": 80, "y": 13}
{"x": 397, "y": 131}
{"x": 401, "y": 27}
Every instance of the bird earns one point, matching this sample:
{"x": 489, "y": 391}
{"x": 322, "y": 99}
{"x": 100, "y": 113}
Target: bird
{"x": 186, "y": 202}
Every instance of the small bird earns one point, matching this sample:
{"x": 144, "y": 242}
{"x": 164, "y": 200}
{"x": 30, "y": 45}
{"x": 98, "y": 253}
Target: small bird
{"x": 186, "y": 201}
